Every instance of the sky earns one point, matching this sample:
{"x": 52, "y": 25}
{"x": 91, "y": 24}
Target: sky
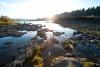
{"x": 42, "y": 8}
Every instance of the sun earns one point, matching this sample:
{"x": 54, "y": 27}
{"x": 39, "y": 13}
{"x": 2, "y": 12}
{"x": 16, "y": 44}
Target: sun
{"x": 37, "y": 8}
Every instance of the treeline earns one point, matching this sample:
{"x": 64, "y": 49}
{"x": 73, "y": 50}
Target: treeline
{"x": 90, "y": 12}
{"x": 94, "y": 11}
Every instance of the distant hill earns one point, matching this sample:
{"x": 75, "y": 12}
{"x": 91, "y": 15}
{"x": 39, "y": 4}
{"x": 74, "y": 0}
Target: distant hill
{"x": 37, "y": 19}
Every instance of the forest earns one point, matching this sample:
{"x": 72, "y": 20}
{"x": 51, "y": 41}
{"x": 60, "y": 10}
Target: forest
{"x": 93, "y": 12}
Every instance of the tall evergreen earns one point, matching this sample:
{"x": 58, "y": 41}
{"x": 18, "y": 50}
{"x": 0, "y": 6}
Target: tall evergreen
{"x": 93, "y": 11}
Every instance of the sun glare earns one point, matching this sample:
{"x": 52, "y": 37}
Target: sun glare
{"x": 37, "y": 8}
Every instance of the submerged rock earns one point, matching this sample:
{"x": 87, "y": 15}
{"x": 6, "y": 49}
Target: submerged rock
{"x": 8, "y": 44}
{"x": 11, "y": 33}
{"x": 37, "y": 39}
{"x": 41, "y": 33}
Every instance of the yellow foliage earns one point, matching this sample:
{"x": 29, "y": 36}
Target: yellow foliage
{"x": 38, "y": 61}
{"x": 4, "y": 20}
{"x": 87, "y": 64}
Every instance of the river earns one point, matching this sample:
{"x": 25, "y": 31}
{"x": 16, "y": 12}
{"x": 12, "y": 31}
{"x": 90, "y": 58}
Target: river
{"x": 19, "y": 42}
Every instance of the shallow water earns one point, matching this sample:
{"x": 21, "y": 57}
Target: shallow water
{"x": 56, "y": 28}
{"x": 19, "y": 42}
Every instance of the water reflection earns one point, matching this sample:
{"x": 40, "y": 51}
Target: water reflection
{"x": 56, "y": 28}
{"x": 19, "y": 42}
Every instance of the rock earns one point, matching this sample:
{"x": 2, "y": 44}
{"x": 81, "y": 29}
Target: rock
{"x": 58, "y": 33}
{"x": 8, "y": 44}
{"x": 62, "y": 61}
{"x": 41, "y": 33}
{"x": 77, "y": 32}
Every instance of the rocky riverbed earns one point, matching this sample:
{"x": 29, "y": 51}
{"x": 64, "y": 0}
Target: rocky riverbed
{"x": 15, "y": 49}
{"x": 52, "y": 48}
{"x": 72, "y": 52}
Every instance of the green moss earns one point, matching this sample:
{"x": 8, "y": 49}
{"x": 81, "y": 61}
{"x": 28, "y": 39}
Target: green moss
{"x": 87, "y": 64}
{"x": 37, "y": 60}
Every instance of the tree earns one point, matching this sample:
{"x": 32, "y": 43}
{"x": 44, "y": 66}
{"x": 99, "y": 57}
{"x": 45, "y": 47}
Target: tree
{"x": 93, "y": 11}
{"x": 5, "y": 20}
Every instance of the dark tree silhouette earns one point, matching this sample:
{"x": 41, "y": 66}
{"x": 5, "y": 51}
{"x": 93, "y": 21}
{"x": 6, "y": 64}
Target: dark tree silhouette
{"x": 93, "y": 11}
